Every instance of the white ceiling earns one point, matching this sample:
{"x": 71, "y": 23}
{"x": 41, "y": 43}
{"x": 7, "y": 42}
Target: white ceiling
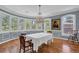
{"x": 46, "y": 10}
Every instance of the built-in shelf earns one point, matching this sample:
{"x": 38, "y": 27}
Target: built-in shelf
{"x": 68, "y": 23}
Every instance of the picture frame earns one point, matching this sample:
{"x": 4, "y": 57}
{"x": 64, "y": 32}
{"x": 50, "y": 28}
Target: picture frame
{"x": 55, "y": 24}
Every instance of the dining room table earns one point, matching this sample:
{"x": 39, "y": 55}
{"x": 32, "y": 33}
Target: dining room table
{"x": 39, "y": 38}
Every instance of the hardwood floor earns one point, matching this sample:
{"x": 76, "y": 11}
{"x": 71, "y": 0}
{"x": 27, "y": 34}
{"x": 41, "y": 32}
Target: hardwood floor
{"x": 10, "y": 47}
{"x": 57, "y": 46}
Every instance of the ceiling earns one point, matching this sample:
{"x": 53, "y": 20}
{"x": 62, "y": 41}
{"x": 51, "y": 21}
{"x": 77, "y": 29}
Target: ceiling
{"x": 46, "y": 10}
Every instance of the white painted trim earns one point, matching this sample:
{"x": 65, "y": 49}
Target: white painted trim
{"x": 61, "y": 38}
{"x": 18, "y": 31}
{"x": 15, "y": 38}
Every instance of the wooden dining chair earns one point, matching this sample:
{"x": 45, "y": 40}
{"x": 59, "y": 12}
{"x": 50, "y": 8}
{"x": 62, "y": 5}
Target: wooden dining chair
{"x": 25, "y": 45}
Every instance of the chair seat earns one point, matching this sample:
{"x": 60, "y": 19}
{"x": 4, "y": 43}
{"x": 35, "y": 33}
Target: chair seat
{"x": 28, "y": 44}
{"x": 28, "y": 40}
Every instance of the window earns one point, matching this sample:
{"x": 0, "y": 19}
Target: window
{"x": 21, "y": 24}
{"x": 14, "y": 23}
{"x": 47, "y": 23}
{"x": 5, "y": 23}
{"x": 39, "y": 26}
{"x": 33, "y": 25}
{"x": 28, "y": 24}
{"x": 11, "y": 26}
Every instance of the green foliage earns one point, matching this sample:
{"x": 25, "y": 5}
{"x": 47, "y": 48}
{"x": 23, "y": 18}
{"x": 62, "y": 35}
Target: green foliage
{"x": 33, "y": 26}
{"x": 28, "y": 24}
{"x": 14, "y": 23}
{"x": 47, "y": 24}
{"x": 21, "y": 24}
{"x": 5, "y": 23}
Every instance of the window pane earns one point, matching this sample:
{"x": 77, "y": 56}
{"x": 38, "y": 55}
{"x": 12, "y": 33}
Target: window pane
{"x": 33, "y": 25}
{"x": 39, "y": 26}
{"x": 47, "y": 24}
{"x": 28, "y": 23}
{"x": 5, "y": 23}
{"x": 21, "y": 24}
{"x": 14, "y": 22}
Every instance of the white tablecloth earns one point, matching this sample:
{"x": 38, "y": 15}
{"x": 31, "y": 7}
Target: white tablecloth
{"x": 39, "y": 38}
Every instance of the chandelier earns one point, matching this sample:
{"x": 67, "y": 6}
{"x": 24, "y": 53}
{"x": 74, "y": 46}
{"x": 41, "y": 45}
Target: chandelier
{"x": 39, "y": 18}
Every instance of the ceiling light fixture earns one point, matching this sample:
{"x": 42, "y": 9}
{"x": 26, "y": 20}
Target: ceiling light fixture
{"x": 39, "y": 18}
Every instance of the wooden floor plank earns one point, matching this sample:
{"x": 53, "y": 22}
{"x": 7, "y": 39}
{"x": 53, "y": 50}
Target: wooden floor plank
{"x": 57, "y": 46}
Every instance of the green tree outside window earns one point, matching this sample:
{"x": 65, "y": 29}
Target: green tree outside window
{"x": 47, "y": 24}
{"x": 14, "y": 22}
{"x": 5, "y": 23}
{"x": 28, "y": 24}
